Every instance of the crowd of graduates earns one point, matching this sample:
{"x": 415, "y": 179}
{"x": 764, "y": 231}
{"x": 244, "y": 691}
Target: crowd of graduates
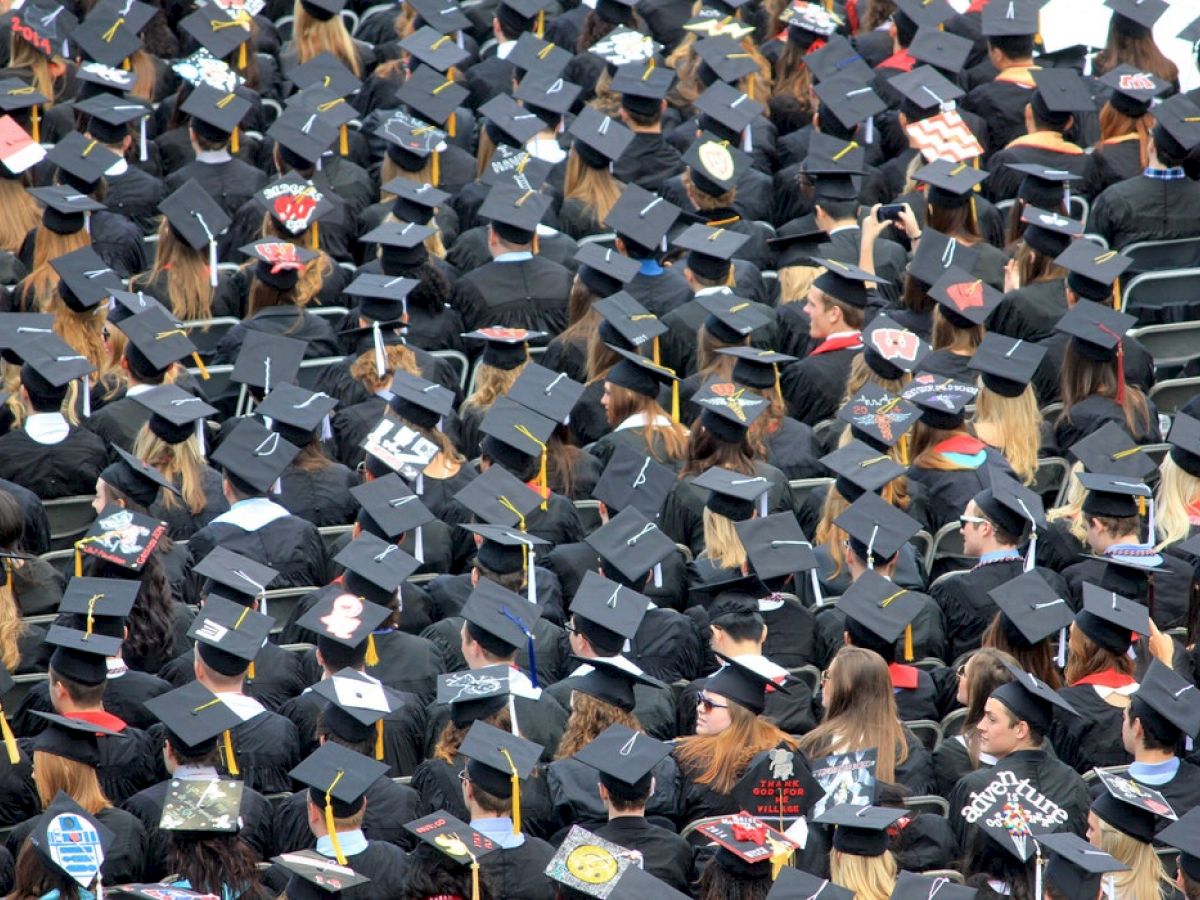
{"x": 551, "y": 449}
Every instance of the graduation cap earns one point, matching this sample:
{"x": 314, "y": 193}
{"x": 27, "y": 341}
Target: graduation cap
{"x": 1132, "y": 808}
{"x": 254, "y": 456}
{"x": 1110, "y": 619}
{"x": 514, "y": 213}
{"x": 890, "y": 349}
{"x": 199, "y": 68}
{"x": 522, "y": 15}
{"x": 70, "y": 738}
{"x": 874, "y": 603}
{"x": 109, "y": 34}
{"x": 474, "y": 694}
{"x": 833, "y": 166}
{"x": 304, "y": 134}
{"x": 944, "y": 50}
{"x": 51, "y": 361}
{"x": 498, "y": 762}
{"x": 1095, "y": 329}
{"x": 229, "y": 635}
{"x": 1006, "y": 364}
{"x": 730, "y": 318}
{"x": 216, "y": 113}
{"x": 508, "y": 550}
{"x": 838, "y": 58}
{"x": 434, "y": 48}
{"x": 604, "y": 270}
{"x": 642, "y": 217}
{"x": 508, "y": 122}
{"x": 1143, "y": 13}
{"x": 497, "y": 613}
{"x": 728, "y": 113}
{"x": 615, "y": 609}
{"x": 1092, "y": 271}
{"x": 727, "y": 59}
{"x": 17, "y": 96}
{"x": 945, "y": 255}
{"x": 924, "y": 90}
{"x": 1049, "y": 233}
{"x": 715, "y": 165}
{"x": 727, "y": 409}
{"x": 844, "y": 282}
{"x": 633, "y": 479}
{"x": 452, "y": 837}
{"x": 203, "y": 805}
{"x": 121, "y": 536}
{"x": 17, "y": 328}
{"x": 85, "y": 279}
{"x": 295, "y": 203}
{"x": 599, "y": 139}
{"x": 1043, "y": 186}
{"x": 943, "y": 401}
{"x": 345, "y": 619}
{"x": 376, "y": 568}
{"x": 1111, "y": 451}
{"x": 197, "y": 219}
{"x": 589, "y": 865}
{"x": 1184, "y": 438}
{"x": 1184, "y": 836}
{"x": 1075, "y": 866}
{"x": 315, "y": 876}
{"x": 1060, "y": 94}
{"x": 194, "y": 718}
{"x": 625, "y": 318}
{"x": 82, "y": 656}
{"x": 1010, "y": 18}
{"x": 18, "y": 151}
{"x": 1033, "y": 607}
{"x": 642, "y": 86}
{"x": 499, "y": 498}
{"x": 511, "y": 165}
{"x": 877, "y": 529}
{"x": 393, "y": 508}
{"x": 357, "y": 706}
{"x": 64, "y": 209}
{"x": 137, "y": 479}
{"x": 735, "y": 495}
{"x": 90, "y": 598}
{"x": 754, "y": 367}
{"x": 629, "y": 546}
{"x": 849, "y": 99}
{"x": 624, "y": 46}
{"x": 745, "y": 843}
{"x": 531, "y": 52}
{"x": 612, "y": 679}
{"x": 643, "y": 376}
{"x": 811, "y": 19}
{"x": 710, "y": 249}
{"x": 1114, "y": 495}
{"x": 70, "y": 842}
{"x": 1133, "y": 90}
{"x": 266, "y": 360}
{"x": 775, "y": 545}
{"x": 951, "y": 184}
{"x": 434, "y": 96}
{"x": 543, "y": 91}
{"x": 860, "y": 468}
{"x": 925, "y": 13}
{"x": 520, "y": 432}
{"x": 792, "y": 884}
{"x": 413, "y": 201}
{"x": 156, "y": 341}
{"x": 337, "y": 778}
{"x": 418, "y": 400}
{"x": 45, "y": 26}
{"x": 234, "y": 576}
{"x": 109, "y": 117}
{"x": 551, "y": 394}
{"x": 744, "y": 681}
{"x": 1030, "y": 699}
{"x": 295, "y": 412}
{"x": 218, "y": 32}
{"x": 860, "y": 830}
{"x": 623, "y": 755}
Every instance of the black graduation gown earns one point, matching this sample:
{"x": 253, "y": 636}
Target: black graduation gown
{"x": 923, "y": 842}
{"x": 1061, "y": 804}
{"x": 1146, "y": 209}
{"x": 437, "y": 781}
{"x": 119, "y": 422}
{"x": 321, "y": 496}
{"x": 549, "y": 641}
{"x": 289, "y": 321}
{"x": 682, "y": 515}
{"x": 1093, "y": 738}
{"x": 1139, "y": 367}
{"x": 135, "y": 194}
{"x": 1110, "y": 162}
{"x": 38, "y": 586}
{"x": 667, "y": 646}
{"x": 125, "y": 857}
{"x": 267, "y": 749}
{"x": 407, "y": 663}
{"x": 257, "y": 826}
{"x": 573, "y": 790}
{"x": 18, "y": 794}
{"x": 1003, "y": 182}
{"x": 1031, "y": 312}
{"x": 648, "y": 162}
{"x": 1172, "y": 588}
{"x": 570, "y": 562}
{"x": 230, "y": 183}
{"x": 792, "y": 449}
{"x": 518, "y": 872}
{"x": 389, "y": 806}
{"x": 129, "y": 761}
{"x": 37, "y": 532}
{"x": 659, "y": 293}
{"x": 665, "y": 855}
{"x": 403, "y": 730}
{"x": 278, "y": 675}
{"x": 290, "y": 545}
{"x": 65, "y": 469}
{"x": 1090, "y": 414}
{"x": 791, "y": 632}
{"x": 653, "y": 707}
{"x": 384, "y": 863}
{"x": 448, "y": 594}
{"x": 528, "y": 294}
{"x": 950, "y": 763}
{"x": 968, "y": 610}
{"x": 1001, "y": 104}
{"x": 948, "y": 365}
{"x": 182, "y": 523}
{"x": 813, "y": 386}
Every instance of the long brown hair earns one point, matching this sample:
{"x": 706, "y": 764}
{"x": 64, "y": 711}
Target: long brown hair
{"x": 985, "y": 672}
{"x": 452, "y": 736}
{"x": 19, "y": 214}
{"x": 211, "y": 861}
{"x": 1086, "y": 657}
{"x": 41, "y": 284}
{"x": 1135, "y": 46}
{"x": 958, "y": 222}
{"x": 312, "y": 37}
{"x": 590, "y": 716}
{"x": 582, "y": 320}
{"x": 704, "y": 451}
{"x": 719, "y": 760}
{"x": 23, "y": 55}
{"x": 1115, "y": 124}
{"x": 53, "y": 773}
{"x": 671, "y": 438}
{"x": 1037, "y": 660}
{"x": 263, "y": 296}
{"x": 595, "y": 188}
{"x": 925, "y": 441}
{"x": 952, "y": 337}
{"x": 860, "y": 712}
{"x": 1081, "y": 377}
{"x": 34, "y": 879}
{"x": 315, "y": 271}
{"x": 189, "y": 292}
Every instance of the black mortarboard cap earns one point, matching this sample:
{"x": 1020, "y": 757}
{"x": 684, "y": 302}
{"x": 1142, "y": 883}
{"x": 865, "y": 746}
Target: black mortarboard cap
{"x": 612, "y": 679}
{"x": 295, "y": 407}
{"x": 506, "y": 616}
{"x": 938, "y": 254}
{"x": 1010, "y": 18}
{"x": 518, "y": 427}
{"x": 266, "y": 360}
{"x": 508, "y": 122}
{"x": 111, "y": 116}
{"x": 599, "y": 138}
{"x": 490, "y": 496}
{"x": 1184, "y": 438}
{"x": 136, "y": 478}
{"x": 214, "y": 30}
{"x": 194, "y": 215}
{"x": 642, "y": 85}
{"x": 849, "y": 99}
{"x": 431, "y": 95}
{"x": 950, "y": 184}
{"x": 70, "y": 738}
{"x": 1075, "y": 866}
{"x": 317, "y": 877}
{"x": 726, "y": 110}
{"x": 1143, "y": 12}
{"x": 630, "y": 544}
{"x": 254, "y": 455}
{"x": 418, "y": 400}
{"x": 844, "y": 282}
{"x": 1049, "y": 233}
{"x": 734, "y": 495}
{"x": 85, "y": 278}
{"x": 1031, "y": 699}
{"x": 639, "y": 374}
{"x": 357, "y": 702}
{"x": 304, "y": 133}
{"x": 380, "y": 563}
{"x": 876, "y": 604}
{"x": 1095, "y": 329}
{"x": 1184, "y": 836}
{"x": 604, "y": 270}
{"x": 860, "y": 830}
{"x": 1061, "y": 92}
{"x": 158, "y": 337}
{"x": 1172, "y": 697}
{"x": 392, "y": 505}
{"x": 234, "y": 631}
{"x": 550, "y": 394}
{"x": 754, "y": 367}
{"x": 642, "y": 217}
{"x": 727, "y": 409}
{"x": 222, "y": 110}
{"x": 1109, "y": 450}
{"x": 495, "y": 757}
{"x": 531, "y": 52}
{"x": 1032, "y": 606}
{"x": 926, "y": 13}
{"x": 839, "y": 57}
{"x": 726, "y": 57}
{"x": 237, "y": 577}
{"x": 1091, "y": 270}
{"x": 612, "y": 606}
{"x": 632, "y": 321}
{"x": 1006, "y": 364}
{"x": 337, "y": 772}
{"x": 775, "y": 545}
{"x": 943, "y": 50}
{"x": 65, "y": 208}
{"x": 1113, "y": 495}
{"x": 710, "y": 249}
{"x": 859, "y": 467}
{"x": 514, "y": 213}
{"x": 546, "y": 90}
{"x": 193, "y": 714}
{"x": 792, "y": 884}
{"x": 634, "y": 479}
{"x": 50, "y": 358}
{"x": 743, "y": 681}
{"x": 434, "y": 48}
{"x": 1133, "y": 90}
{"x": 877, "y": 529}
{"x": 925, "y": 88}
{"x": 80, "y": 656}
{"x": 1110, "y": 619}
{"x": 622, "y": 754}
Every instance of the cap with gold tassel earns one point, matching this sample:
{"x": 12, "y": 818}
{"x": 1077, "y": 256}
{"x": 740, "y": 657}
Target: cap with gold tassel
{"x": 497, "y": 762}
{"x": 338, "y": 779}
{"x": 457, "y": 840}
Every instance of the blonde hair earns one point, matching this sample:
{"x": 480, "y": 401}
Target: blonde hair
{"x": 796, "y": 281}
{"x": 145, "y": 76}
{"x": 19, "y": 214}
{"x": 41, "y": 284}
{"x": 1178, "y": 490}
{"x": 23, "y": 55}
{"x": 389, "y": 169}
{"x": 183, "y": 460}
{"x": 1072, "y": 507}
{"x": 53, "y": 773}
{"x": 189, "y": 292}
{"x": 434, "y": 245}
{"x": 396, "y": 358}
{"x": 869, "y": 877}
{"x": 492, "y": 383}
{"x": 595, "y": 188}
{"x": 1015, "y": 428}
{"x": 1146, "y": 878}
{"x": 722, "y": 546}
{"x": 12, "y": 627}
{"x": 84, "y": 332}
{"x": 312, "y": 37}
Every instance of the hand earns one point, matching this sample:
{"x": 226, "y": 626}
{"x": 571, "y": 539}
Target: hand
{"x": 871, "y": 226}
{"x": 1161, "y": 646}
{"x": 912, "y": 228}
{"x": 1012, "y": 277}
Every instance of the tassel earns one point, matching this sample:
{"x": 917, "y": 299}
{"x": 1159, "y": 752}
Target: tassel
{"x": 1037, "y": 871}
{"x": 516, "y": 791}
{"x": 213, "y": 272}
{"x": 543, "y": 482}
{"x": 474, "y": 878}
{"x": 778, "y": 388}
{"x": 379, "y": 740}
{"x": 451, "y": 127}
{"x": 234, "y": 144}
{"x": 200, "y": 365}
{"x": 372, "y": 653}
{"x": 91, "y": 615}
{"x": 675, "y": 402}
{"x": 78, "y": 562}
{"x": 87, "y": 396}
{"x": 230, "y": 757}
{"x": 10, "y": 741}
{"x": 419, "y": 547}
{"x": 436, "y": 169}
{"x": 908, "y": 643}
{"x": 1117, "y": 295}
{"x": 143, "y": 155}
{"x": 344, "y": 141}
{"x": 314, "y": 236}
{"x": 329, "y": 824}
{"x": 243, "y": 61}
{"x": 35, "y": 120}
{"x": 654, "y": 345}
{"x": 531, "y": 575}
{"x": 125, "y": 64}
{"x": 540, "y": 27}
{"x": 1062, "y": 648}
{"x": 377, "y": 343}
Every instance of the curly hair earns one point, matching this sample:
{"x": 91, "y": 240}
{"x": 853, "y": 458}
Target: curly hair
{"x": 451, "y": 738}
{"x": 590, "y": 716}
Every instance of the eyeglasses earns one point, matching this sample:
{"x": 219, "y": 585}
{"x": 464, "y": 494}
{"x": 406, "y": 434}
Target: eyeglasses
{"x": 708, "y": 705}
{"x": 974, "y": 520}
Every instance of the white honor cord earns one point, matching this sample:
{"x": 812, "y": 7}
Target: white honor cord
{"x": 419, "y": 547}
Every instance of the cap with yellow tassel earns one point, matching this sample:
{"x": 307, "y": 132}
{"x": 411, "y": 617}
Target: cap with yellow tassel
{"x": 229, "y": 636}
{"x": 338, "y": 779}
{"x": 457, "y": 840}
{"x": 497, "y": 763}
{"x": 358, "y": 707}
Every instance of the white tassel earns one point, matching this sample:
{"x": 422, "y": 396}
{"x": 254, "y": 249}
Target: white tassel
{"x": 658, "y": 575}
{"x": 277, "y": 487}
{"x": 532, "y": 579}
{"x": 200, "y": 437}
{"x": 420, "y": 489}
{"x": 87, "y": 396}
{"x": 212, "y": 263}
{"x": 747, "y": 141}
{"x": 1037, "y": 872}
{"x": 419, "y": 547}
{"x": 869, "y": 131}
{"x": 1062, "y": 648}
{"x": 377, "y": 340}
{"x": 326, "y": 430}
{"x": 142, "y": 152}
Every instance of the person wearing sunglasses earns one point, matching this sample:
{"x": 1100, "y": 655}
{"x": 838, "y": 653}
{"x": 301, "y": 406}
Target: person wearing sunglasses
{"x": 730, "y": 732}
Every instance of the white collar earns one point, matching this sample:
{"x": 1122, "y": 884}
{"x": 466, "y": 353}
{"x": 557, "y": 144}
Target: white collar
{"x": 704, "y": 292}
{"x": 245, "y": 708}
{"x": 120, "y": 167}
{"x": 134, "y": 389}
{"x": 195, "y": 773}
{"x": 47, "y": 428}
{"x": 213, "y": 157}
{"x": 844, "y": 228}
{"x": 505, "y": 48}
{"x": 519, "y": 685}
{"x": 638, "y": 420}
{"x": 253, "y": 514}
{"x": 513, "y": 256}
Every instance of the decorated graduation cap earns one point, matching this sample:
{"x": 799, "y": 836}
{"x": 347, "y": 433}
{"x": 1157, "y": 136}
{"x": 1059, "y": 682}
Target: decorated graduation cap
{"x": 266, "y": 360}
{"x": 612, "y": 679}
{"x": 587, "y": 864}
{"x": 1132, "y": 808}
{"x": 195, "y": 718}
{"x": 1111, "y": 620}
{"x": 1031, "y": 700}
{"x": 635, "y": 480}
{"x": 70, "y": 738}
{"x": 860, "y": 468}
{"x": 715, "y": 165}
{"x": 604, "y": 270}
{"x": 890, "y": 349}
{"x": 253, "y": 457}
{"x": 606, "y": 612}
{"x": 1184, "y": 836}
{"x": 337, "y": 779}
{"x": 202, "y": 805}
{"x": 196, "y": 219}
{"x": 71, "y": 842}
{"x": 599, "y": 139}
{"x": 629, "y": 546}
{"x": 1076, "y": 867}
{"x": 19, "y": 152}
{"x": 229, "y": 635}
{"x": 357, "y": 707}
{"x": 877, "y": 529}
{"x": 456, "y": 840}
{"x": 347, "y": 620}
{"x": 1092, "y": 271}
{"x": 728, "y": 410}
{"x": 744, "y": 682}
{"x": 860, "y": 830}
{"x": 746, "y": 846}
{"x": 498, "y": 762}
{"x": 474, "y": 694}
{"x": 643, "y": 86}
{"x": 643, "y": 219}
{"x": 885, "y": 610}
{"x": 278, "y": 263}
{"x": 844, "y": 282}
{"x": 943, "y": 401}
{"x": 314, "y": 876}
{"x": 808, "y": 22}
{"x": 1133, "y": 90}
{"x": 45, "y": 27}
{"x": 1049, "y": 232}
{"x": 1006, "y": 364}
{"x": 296, "y": 204}
{"x": 938, "y": 254}
{"x": 122, "y": 537}
{"x": 504, "y": 348}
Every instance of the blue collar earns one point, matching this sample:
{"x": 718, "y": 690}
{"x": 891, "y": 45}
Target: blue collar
{"x": 1155, "y": 773}
{"x": 650, "y": 267}
{"x": 1175, "y": 173}
{"x": 499, "y": 830}
{"x": 515, "y": 256}
{"x": 352, "y": 843}
{"x": 998, "y": 555}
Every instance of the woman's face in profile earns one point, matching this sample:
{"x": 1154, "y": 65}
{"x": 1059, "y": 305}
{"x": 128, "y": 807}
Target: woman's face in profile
{"x": 712, "y": 714}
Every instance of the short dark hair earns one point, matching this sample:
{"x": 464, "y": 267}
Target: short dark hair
{"x": 1013, "y": 46}
{"x": 741, "y": 626}
{"x": 627, "y": 797}
{"x": 80, "y": 694}
{"x": 838, "y": 209}
{"x": 644, "y": 120}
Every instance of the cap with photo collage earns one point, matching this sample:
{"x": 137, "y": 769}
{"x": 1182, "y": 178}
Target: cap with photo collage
{"x": 1092, "y": 271}
{"x": 1168, "y": 703}
{"x": 135, "y": 478}
{"x": 603, "y": 270}
{"x": 876, "y": 529}
{"x": 197, "y": 219}
{"x": 943, "y": 401}
{"x": 1031, "y": 700}
{"x": 710, "y": 249}
{"x": 890, "y": 349}
{"x": 1111, "y": 620}
{"x": 728, "y": 113}
{"x": 337, "y": 779}
{"x": 642, "y": 218}
{"x": 175, "y": 415}
{"x": 1184, "y": 836}
{"x": 357, "y": 706}
{"x": 643, "y": 86}
{"x": 741, "y": 680}
{"x": 70, "y": 843}
{"x": 156, "y": 342}
{"x": 598, "y": 138}
{"x": 1133, "y": 809}
{"x": 254, "y": 457}
{"x": 531, "y": 52}
{"x": 859, "y": 468}
{"x": 809, "y": 21}
{"x": 793, "y": 884}
{"x": 624, "y": 322}
{"x": 547, "y": 95}
{"x": 623, "y": 46}
{"x": 844, "y": 282}
{"x": 630, "y": 546}
{"x": 454, "y": 839}
{"x": 1006, "y": 365}
{"x": 203, "y": 806}
{"x": 201, "y": 67}
{"x": 938, "y": 254}
{"x": 634, "y": 479}
{"x": 122, "y": 537}
{"x": 497, "y": 762}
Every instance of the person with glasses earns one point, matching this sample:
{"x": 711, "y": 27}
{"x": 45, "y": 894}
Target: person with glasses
{"x": 959, "y": 754}
{"x": 731, "y": 731}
